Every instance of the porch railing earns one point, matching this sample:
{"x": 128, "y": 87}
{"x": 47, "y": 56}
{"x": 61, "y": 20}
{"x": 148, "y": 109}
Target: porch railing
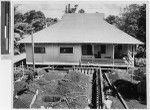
{"x": 102, "y": 61}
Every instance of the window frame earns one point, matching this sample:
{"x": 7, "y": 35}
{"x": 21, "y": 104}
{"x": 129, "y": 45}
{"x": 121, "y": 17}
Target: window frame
{"x": 66, "y": 47}
{"x": 85, "y": 47}
{"x": 38, "y": 52}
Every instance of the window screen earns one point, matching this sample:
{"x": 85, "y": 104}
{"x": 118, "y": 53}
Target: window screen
{"x": 66, "y": 50}
{"x": 39, "y": 49}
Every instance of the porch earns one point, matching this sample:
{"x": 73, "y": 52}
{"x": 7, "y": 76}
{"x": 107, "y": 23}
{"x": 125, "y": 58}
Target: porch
{"x": 104, "y": 62}
{"x": 108, "y": 55}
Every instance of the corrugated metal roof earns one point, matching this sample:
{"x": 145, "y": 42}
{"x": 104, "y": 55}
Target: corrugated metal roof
{"x": 82, "y": 28}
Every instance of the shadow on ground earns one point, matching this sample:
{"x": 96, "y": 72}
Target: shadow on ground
{"x": 131, "y": 91}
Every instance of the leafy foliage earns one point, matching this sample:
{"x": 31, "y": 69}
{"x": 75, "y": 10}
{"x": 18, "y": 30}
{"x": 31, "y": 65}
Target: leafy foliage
{"x": 51, "y": 21}
{"x": 18, "y": 17}
{"x": 139, "y": 74}
{"x": 20, "y": 86}
{"x": 140, "y": 62}
{"x": 36, "y": 19}
{"x": 133, "y": 22}
{"x": 81, "y": 11}
{"x": 114, "y": 20}
{"x": 71, "y": 10}
{"x": 18, "y": 74}
{"x": 30, "y": 21}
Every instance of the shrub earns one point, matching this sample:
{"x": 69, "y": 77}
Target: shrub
{"x": 140, "y": 62}
{"x": 20, "y": 86}
{"x": 42, "y": 82}
{"x": 53, "y": 76}
{"x": 73, "y": 76}
{"x": 139, "y": 73}
{"x": 79, "y": 102}
{"x": 141, "y": 88}
{"x": 50, "y": 87}
{"x": 17, "y": 75}
{"x": 51, "y": 98}
{"x": 61, "y": 89}
{"x": 141, "y": 52}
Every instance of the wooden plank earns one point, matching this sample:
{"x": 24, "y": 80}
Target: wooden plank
{"x": 34, "y": 98}
{"x": 118, "y": 94}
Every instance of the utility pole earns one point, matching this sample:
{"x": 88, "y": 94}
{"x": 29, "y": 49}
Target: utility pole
{"x": 32, "y": 39}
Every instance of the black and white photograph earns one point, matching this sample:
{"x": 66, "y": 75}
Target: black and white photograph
{"x": 77, "y": 54}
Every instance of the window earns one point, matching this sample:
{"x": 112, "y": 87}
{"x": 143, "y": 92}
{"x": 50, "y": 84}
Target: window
{"x": 39, "y": 49}
{"x": 87, "y": 49}
{"x": 66, "y": 50}
{"x": 103, "y": 49}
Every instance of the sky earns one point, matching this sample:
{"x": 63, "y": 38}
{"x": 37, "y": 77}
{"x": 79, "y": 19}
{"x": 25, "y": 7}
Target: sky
{"x": 55, "y": 9}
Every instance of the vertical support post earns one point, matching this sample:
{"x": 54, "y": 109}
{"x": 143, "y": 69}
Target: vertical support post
{"x": 133, "y": 46}
{"x": 93, "y": 52}
{"x": 33, "y": 50}
{"x": 127, "y": 55}
{"x": 14, "y": 67}
{"x": 27, "y": 66}
{"x": 22, "y": 68}
{"x": 113, "y": 54}
{"x": 132, "y": 63}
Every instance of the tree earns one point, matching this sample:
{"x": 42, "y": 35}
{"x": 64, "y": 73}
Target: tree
{"x": 141, "y": 34}
{"x": 51, "y": 21}
{"x": 111, "y": 19}
{"x": 24, "y": 23}
{"x": 18, "y": 17}
{"x": 71, "y": 10}
{"x": 81, "y": 11}
{"x": 35, "y": 18}
{"x": 132, "y": 21}
{"x": 22, "y": 28}
{"x": 130, "y": 18}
